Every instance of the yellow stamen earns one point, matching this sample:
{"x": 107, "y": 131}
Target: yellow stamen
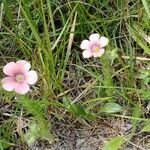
{"x": 19, "y": 78}
{"x": 95, "y": 49}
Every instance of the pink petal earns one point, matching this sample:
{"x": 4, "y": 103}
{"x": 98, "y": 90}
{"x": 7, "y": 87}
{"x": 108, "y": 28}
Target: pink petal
{"x": 94, "y": 37}
{"x": 23, "y": 66}
{"x": 85, "y": 44}
{"x": 87, "y": 53}
{"x": 8, "y": 83}
{"x": 99, "y": 53}
{"x": 103, "y": 41}
{"x": 10, "y": 69}
{"x": 31, "y": 77}
{"x": 22, "y": 88}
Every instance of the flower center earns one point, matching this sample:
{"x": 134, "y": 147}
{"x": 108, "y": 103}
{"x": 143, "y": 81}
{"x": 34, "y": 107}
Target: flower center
{"x": 95, "y": 49}
{"x": 19, "y": 77}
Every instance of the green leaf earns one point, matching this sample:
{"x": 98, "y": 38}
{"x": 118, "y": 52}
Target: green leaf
{"x": 114, "y": 144}
{"x": 111, "y": 108}
{"x": 32, "y": 135}
{"x": 35, "y": 132}
{"x": 90, "y": 116}
{"x": 135, "y": 114}
{"x": 42, "y": 127}
{"x": 145, "y": 94}
{"x": 9, "y": 14}
{"x": 75, "y": 109}
{"x": 69, "y": 105}
{"x": 146, "y": 7}
{"x": 4, "y": 144}
{"x": 146, "y": 128}
{"x": 78, "y": 110}
{"x": 145, "y": 75}
{"x": 112, "y": 55}
{"x": 133, "y": 31}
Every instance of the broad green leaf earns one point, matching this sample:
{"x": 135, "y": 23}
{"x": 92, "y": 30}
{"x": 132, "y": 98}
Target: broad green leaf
{"x": 146, "y": 128}
{"x": 114, "y": 144}
{"x": 90, "y": 116}
{"x": 111, "y": 108}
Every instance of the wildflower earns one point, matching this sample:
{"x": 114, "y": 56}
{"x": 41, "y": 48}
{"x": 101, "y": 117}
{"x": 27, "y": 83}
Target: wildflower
{"x": 94, "y": 46}
{"x": 18, "y": 77}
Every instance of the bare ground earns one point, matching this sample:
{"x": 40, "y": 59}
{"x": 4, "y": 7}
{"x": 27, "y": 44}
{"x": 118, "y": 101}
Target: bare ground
{"x": 86, "y": 137}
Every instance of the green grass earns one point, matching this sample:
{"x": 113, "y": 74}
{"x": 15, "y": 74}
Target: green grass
{"x": 49, "y": 34}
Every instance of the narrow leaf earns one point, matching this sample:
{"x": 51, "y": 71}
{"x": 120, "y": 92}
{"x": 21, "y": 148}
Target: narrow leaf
{"x": 146, "y": 7}
{"x": 135, "y": 35}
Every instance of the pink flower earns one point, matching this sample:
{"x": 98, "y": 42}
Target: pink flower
{"x": 18, "y": 77}
{"x": 94, "y": 46}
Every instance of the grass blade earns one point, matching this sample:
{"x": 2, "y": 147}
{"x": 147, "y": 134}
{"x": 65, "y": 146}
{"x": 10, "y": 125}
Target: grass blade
{"x": 146, "y": 7}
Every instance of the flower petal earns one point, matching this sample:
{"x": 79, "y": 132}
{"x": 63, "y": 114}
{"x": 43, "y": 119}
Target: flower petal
{"x": 23, "y": 66}
{"x": 22, "y": 88}
{"x": 99, "y": 53}
{"x": 10, "y": 68}
{"x": 94, "y": 37}
{"x": 8, "y": 83}
{"x": 31, "y": 77}
{"x": 103, "y": 41}
{"x": 85, "y": 44}
{"x": 87, "y": 53}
